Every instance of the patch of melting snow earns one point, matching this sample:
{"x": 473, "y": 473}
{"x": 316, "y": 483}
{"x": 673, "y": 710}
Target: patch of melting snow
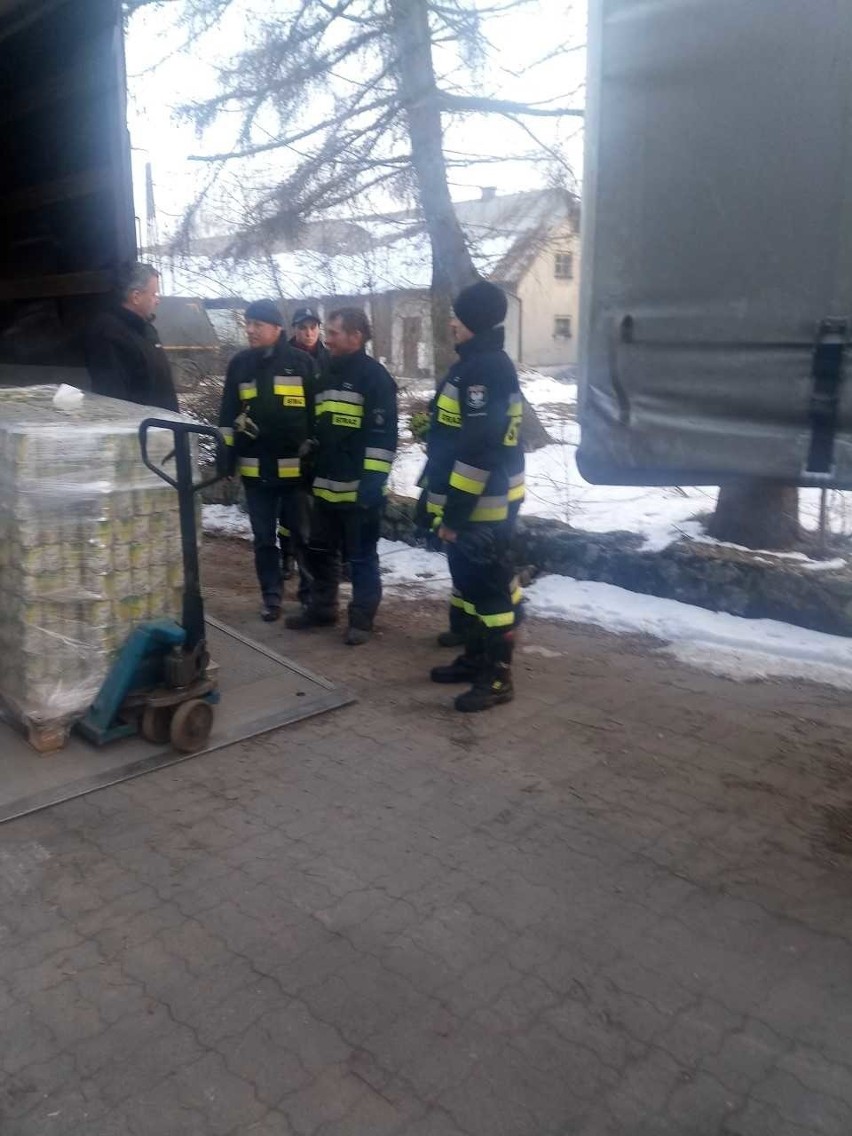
{"x": 713, "y": 640}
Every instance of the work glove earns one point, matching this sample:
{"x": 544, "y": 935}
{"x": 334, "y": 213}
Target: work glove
{"x": 244, "y": 425}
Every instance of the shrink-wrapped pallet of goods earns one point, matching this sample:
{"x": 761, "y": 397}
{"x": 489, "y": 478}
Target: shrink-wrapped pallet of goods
{"x": 89, "y": 548}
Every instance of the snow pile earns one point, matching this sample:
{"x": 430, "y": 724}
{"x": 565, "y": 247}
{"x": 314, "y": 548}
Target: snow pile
{"x": 543, "y": 390}
{"x": 413, "y": 572}
{"x": 715, "y": 641}
{"x": 225, "y": 520}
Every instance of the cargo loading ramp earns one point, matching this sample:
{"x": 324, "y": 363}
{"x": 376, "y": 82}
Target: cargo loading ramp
{"x": 261, "y": 691}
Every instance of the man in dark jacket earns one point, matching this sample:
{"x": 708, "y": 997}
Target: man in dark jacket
{"x": 356, "y": 431}
{"x": 306, "y": 337}
{"x": 267, "y": 419}
{"x": 124, "y": 355}
{"x": 472, "y": 488}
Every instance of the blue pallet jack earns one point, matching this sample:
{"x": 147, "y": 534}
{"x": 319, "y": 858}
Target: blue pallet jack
{"x": 163, "y": 684}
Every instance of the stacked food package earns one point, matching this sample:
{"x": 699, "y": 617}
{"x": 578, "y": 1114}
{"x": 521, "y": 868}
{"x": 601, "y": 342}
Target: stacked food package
{"x": 89, "y": 547}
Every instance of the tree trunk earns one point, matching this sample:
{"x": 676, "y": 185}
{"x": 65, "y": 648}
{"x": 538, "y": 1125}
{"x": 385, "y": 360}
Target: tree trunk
{"x": 757, "y": 514}
{"x": 452, "y": 265}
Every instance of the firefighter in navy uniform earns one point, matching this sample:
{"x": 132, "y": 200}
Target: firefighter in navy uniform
{"x": 473, "y": 486}
{"x": 266, "y": 418}
{"x": 306, "y": 337}
{"x": 356, "y": 431}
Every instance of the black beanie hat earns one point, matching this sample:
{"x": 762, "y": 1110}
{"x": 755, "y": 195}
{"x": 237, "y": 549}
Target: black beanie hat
{"x": 266, "y": 311}
{"x": 481, "y": 306}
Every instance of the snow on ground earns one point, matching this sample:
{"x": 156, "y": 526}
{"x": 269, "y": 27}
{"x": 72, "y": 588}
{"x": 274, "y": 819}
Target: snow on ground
{"x": 713, "y": 640}
{"x": 723, "y": 644}
{"x": 225, "y": 520}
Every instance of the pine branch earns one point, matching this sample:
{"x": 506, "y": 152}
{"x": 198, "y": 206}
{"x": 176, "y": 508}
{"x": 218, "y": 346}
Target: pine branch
{"x": 481, "y": 104}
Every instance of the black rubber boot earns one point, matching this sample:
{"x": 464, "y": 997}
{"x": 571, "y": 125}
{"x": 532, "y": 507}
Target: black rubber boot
{"x": 493, "y": 687}
{"x": 465, "y": 668}
{"x": 493, "y": 684}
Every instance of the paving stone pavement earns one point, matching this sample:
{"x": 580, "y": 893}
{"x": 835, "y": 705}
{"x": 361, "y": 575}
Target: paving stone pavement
{"x": 618, "y": 907}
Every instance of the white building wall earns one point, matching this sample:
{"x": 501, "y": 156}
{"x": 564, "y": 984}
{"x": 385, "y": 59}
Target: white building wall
{"x": 544, "y": 299}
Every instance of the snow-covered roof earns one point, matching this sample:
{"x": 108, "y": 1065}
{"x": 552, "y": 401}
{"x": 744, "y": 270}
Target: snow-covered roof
{"x": 502, "y": 233}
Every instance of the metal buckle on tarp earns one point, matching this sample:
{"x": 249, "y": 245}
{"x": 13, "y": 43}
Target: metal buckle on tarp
{"x": 827, "y": 375}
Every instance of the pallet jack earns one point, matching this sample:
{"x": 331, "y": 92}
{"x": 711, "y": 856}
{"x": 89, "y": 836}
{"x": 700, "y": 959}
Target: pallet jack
{"x": 163, "y": 684}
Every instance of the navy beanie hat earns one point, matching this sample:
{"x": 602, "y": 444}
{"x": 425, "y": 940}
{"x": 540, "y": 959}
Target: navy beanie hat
{"x": 481, "y": 306}
{"x": 266, "y": 311}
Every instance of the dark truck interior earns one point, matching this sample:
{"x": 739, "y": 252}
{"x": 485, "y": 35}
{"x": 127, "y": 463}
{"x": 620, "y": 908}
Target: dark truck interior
{"x": 66, "y": 200}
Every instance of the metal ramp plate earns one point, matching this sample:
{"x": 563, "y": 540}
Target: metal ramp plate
{"x": 260, "y": 692}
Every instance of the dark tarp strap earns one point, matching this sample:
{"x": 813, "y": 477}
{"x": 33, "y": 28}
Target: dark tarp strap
{"x": 827, "y": 374}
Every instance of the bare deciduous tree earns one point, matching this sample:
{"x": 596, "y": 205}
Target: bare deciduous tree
{"x": 352, "y": 100}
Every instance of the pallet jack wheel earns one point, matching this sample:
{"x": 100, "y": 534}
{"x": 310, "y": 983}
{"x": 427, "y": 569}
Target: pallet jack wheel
{"x": 156, "y": 724}
{"x": 191, "y": 725}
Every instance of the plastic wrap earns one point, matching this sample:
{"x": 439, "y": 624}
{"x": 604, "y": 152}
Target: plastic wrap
{"x": 90, "y": 546}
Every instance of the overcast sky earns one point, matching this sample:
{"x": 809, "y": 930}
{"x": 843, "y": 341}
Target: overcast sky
{"x": 161, "y": 79}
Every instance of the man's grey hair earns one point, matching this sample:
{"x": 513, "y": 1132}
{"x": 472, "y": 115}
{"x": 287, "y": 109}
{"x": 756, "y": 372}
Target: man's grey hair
{"x": 134, "y": 278}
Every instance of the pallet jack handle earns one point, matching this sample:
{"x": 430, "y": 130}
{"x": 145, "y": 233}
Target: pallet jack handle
{"x": 187, "y": 487}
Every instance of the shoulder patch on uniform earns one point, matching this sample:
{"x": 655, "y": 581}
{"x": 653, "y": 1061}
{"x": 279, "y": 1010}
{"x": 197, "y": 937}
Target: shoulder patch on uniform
{"x": 379, "y": 416}
{"x": 477, "y": 396}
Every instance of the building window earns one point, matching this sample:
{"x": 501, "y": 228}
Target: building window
{"x": 563, "y": 269}
{"x": 562, "y": 327}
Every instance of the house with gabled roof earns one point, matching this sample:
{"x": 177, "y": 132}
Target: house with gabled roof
{"x": 526, "y": 242}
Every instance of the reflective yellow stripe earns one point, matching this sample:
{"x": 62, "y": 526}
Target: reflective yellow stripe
{"x": 456, "y": 600}
{"x": 291, "y": 394}
{"x": 335, "y": 498}
{"x": 227, "y": 435}
{"x": 498, "y": 619}
{"x": 501, "y": 619}
{"x": 435, "y": 503}
{"x": 282, "y": 531}
{"x": 336, "y": 491}
{"x": 516, "y": 411}
{"x": 491, "y": 509}
{"x": 247, "y": 391}
{"x": 516, "y": 493}
{"x": 333, "y": 406}
{"x": 465, "y": 484}
{"x": 517, "y": 595}
{"x": 249, "y": 467}
{"x": 448, "y": 418}
{"x": 377, "y": 466}
{"x": 468, "y": 478}
{"x": 288, "y": 467}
